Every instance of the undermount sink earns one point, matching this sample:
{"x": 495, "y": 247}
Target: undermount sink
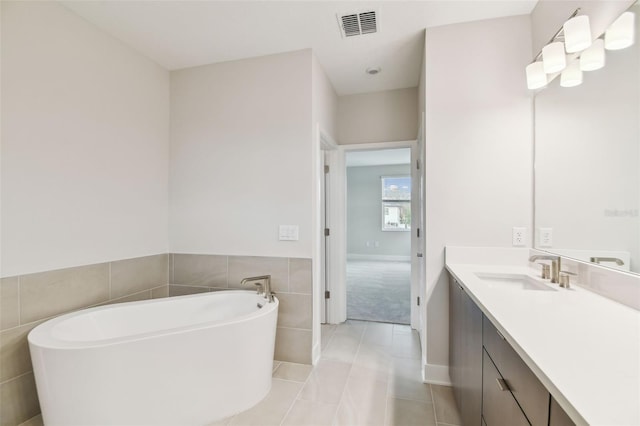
{"x": 512, "y": 281}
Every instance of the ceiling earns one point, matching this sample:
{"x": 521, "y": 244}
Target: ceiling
{"x": 186, "y": 33}
{"x": 379, "y": 157}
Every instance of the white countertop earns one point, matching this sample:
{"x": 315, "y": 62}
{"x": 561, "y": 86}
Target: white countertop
{"x": 583, "y": 347}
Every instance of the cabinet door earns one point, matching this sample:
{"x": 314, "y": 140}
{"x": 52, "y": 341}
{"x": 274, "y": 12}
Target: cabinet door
{"x": 471, "y": 411}
{"x": 455, "y": 339}
{"x": 498, "y": 405}
{"x": 557, "y": 416}
{"x": 465, "y": 354}
{"x": 530, "y": 393}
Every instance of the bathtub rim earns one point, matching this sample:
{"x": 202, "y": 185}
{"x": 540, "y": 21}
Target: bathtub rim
{"x": 41, "y": 335}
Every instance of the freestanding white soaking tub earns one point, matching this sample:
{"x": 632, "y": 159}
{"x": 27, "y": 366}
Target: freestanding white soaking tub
{"x": 187, "y": 360}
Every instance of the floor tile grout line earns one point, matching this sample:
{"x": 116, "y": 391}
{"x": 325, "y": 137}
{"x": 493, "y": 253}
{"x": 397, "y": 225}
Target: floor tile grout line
{"x": 297, "y": 397}
{"x": 433, "y": 401}
{"x": 344, "y": 390}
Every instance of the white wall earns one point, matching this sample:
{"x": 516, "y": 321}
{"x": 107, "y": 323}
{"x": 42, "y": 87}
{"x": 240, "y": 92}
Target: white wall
{"x": 325, "y": 119}
{"x": 364, "y": 213}
{"x": 478, "y": 150}
{"x": 378, "y": 117}
{"x": 325, "y": 100}
{"x": 241, "y": 156}
{"x": 84, "y": 143}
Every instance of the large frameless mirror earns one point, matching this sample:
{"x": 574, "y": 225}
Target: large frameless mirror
{"x": 587, "y": 163}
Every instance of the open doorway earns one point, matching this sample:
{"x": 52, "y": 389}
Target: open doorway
{"x": 378, "y": 231}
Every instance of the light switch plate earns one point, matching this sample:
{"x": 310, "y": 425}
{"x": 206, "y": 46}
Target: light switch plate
{"x": 288, "y": 233}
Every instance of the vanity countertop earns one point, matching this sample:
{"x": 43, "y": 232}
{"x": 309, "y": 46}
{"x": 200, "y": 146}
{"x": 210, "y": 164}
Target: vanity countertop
{"x": 583, "y": 347}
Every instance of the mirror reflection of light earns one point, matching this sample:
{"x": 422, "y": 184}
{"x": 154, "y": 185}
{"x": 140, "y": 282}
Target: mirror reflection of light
{"x": 621, "y": 34}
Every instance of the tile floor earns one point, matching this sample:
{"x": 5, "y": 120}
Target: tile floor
{"x": 369, "y": 374}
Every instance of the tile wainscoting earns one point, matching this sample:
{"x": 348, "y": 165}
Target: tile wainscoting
{"x": 290, "y": 279}
{"x": 28, "y": 300}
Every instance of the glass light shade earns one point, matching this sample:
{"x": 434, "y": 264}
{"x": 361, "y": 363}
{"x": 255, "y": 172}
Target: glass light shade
{"x": 572, "y": 75}
{"x": 621, "y": 33}
{"x": 593, "y": 58}
{"x": 536, "y": 77}
{"x": 553, "y": 57}
{"x": 577, "y": 34}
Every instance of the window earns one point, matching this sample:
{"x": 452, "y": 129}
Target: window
{"x": 396, "y": 203}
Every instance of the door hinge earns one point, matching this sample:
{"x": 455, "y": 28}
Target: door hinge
{"x": 326, "y": 232}
{"x": 418, "y": 300}
{"x": 327, "y": 294}
{"x": 419, "y": 254}
{"x": 418, "y": 164}
{"x": 326, "y": 169}
{"x": 418, "y": 232}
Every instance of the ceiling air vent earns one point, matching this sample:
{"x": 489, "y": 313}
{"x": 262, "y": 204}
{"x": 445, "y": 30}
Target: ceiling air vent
{"x": 358, "y": 23}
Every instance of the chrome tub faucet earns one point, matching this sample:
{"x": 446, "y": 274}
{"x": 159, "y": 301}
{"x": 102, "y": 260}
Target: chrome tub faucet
{"x": 264, "y": 289}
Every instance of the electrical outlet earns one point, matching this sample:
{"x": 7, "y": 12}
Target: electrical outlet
{"x": 519, "y": 236}
{"x": 545, "y": 237}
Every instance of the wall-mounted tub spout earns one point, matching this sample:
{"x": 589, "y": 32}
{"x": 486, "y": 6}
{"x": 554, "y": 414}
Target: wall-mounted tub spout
{"x": 262, "y": 289}
{"x": 599, "y": 260}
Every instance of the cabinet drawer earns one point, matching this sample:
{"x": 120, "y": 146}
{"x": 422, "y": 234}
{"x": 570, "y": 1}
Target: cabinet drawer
{"x": 524, "y": 385}
{"x": 498, "y": 406}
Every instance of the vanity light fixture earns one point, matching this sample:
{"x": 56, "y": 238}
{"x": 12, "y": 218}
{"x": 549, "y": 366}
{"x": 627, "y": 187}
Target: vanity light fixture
{"x": 583, "y": 54}
{"x": 593, "y": 58}
{"x": 621, "y": 33}
{"x": 536, "y": 77}
{"x": 577, "y": 34}
{"x": 553, "y": 57}
{"x": 572, "y": 75}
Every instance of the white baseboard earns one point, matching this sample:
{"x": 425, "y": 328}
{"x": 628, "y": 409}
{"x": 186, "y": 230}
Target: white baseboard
{"x": 436, "y": 374}
{"x": 389, "y": 258}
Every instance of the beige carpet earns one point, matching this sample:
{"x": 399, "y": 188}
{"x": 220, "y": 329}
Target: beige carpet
{"x": 379, "y": 291}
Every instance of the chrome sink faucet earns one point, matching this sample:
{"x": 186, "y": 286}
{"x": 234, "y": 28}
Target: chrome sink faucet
{"x": 555, "y": 265}
{"x": 597, "y": 260}
{"x": 262, "y": 289}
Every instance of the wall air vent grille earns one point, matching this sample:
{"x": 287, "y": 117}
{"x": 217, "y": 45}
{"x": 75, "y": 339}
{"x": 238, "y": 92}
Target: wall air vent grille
{"x": 358, "y": 23}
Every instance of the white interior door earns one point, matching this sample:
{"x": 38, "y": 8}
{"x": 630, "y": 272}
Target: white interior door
{"x": 418, "y": 314}
{"x": 327, "y": 217}
{"x": 337, "y": 214}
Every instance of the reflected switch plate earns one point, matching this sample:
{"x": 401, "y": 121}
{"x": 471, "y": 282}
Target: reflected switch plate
{"x": 545, "y": 236}
{"x": 288, "y": 233}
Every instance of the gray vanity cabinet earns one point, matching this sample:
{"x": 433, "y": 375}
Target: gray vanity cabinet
{"x": 492, "y": 385}
{"x": 518, "y": 381}
{"x": 498, "y": 405}
{"x": 465, "y": 354}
